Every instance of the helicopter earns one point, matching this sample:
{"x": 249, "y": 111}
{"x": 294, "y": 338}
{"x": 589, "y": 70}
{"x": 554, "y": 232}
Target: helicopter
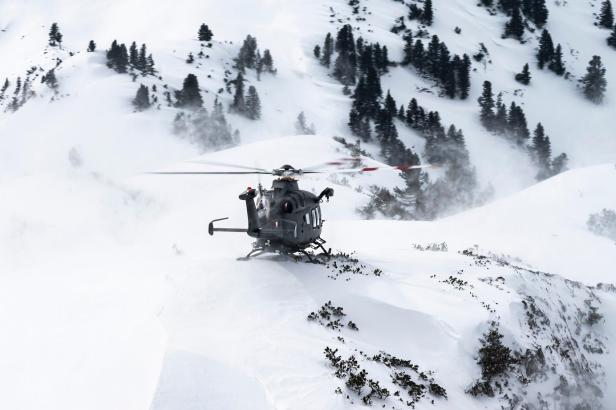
{"x": 284, "y": 219}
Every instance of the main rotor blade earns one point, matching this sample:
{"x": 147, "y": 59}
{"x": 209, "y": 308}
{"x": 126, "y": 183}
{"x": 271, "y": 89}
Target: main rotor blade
{"x": 371, "y": 169}
{"x": 224, "y": 164}
{"x": 211, "y": 173}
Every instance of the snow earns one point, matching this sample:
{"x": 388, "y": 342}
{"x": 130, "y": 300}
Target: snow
{"x": 113, "y": 295}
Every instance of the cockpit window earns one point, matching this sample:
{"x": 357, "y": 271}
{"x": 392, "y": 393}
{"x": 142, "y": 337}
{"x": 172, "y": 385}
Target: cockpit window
{"x": 307, "y": 218}
{"x": 314, "y": 218}
{"x": 318, "y": 217}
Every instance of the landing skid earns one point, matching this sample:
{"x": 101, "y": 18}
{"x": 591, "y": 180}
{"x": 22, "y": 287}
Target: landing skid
{"x": 292, "y": 253}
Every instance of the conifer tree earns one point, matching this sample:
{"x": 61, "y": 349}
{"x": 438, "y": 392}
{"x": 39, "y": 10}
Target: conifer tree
{"x": 205, "y": 34}
{"x": 486, "y": 102}
{"x": 408, "y": 49}
{"x": 546, "y": 49}
{"x": 517, "y": 125}
{"x": 121, "y": 62}
{"x": 524, "y": 77}
{"x": 317, "y": 51}
{"x": 427, "y": 15}
{"x": 418, "y": 57}
{"x": 594, "y": 82}
{"x": 149, "y": 65}
{"x": 55, "y": 37}
{"x": 247, "y": 57}
{"x": 142, "y": 99}
{"x": 91, "y": 46}
{"x": 611, "y": 41}
{"x": 268, "y": 62}
{"x": 133, "y": 55}
{"x": 464, "y": 76}
{"x": 515, "y": 26}
{"x": 190, "y": 59}
{"x": 239, "y": 102}
{"x": 557, "y": 65}
{"x": 50, "y": 79}
{"x": 500, "y": 118}
{"x": 190, "y": 95}
{"x": 606, "y": 17}
{"x": 390, "y": 105}
{"x": 253, "y": 104}
{"x": 432, "y": 56}
{"x": 142, "y": 60}
{"x": 328, "y": 50}
{"x": 540, "y": 13}
{"x": 559, "y": 164}
{"x": 542, "y": 151}
{"x": 346, "y": 63}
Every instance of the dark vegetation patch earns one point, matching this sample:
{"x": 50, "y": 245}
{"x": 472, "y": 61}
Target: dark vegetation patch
{"x": 407, "y": 382}
{"x": 331, "y": 317}
{"x": 432, "y": 247}
{"x": 346, "y": 265}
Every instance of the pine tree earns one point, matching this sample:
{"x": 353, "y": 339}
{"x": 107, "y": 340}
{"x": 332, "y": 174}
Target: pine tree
{"x": 557, "y": 65}
{"x": 432, "y": 56}
{"x": 142, "y": 60}
{"x": 524, "y": 77}
{"x": 149, "y": 65}
{"x": 500, "y": 118}
{"x": 594, "y": 82}
{"x": 121, "y": 62}
{"x": 91, "y": 46}
{"x": 253, "y": 104}
{"x": 317, "y": 51}
{"x": 427, "y": 15}
{"x": 487, "y": 3}
{"x": 247, "y": 57}
{"x": 559, "y": 164}
{"x": 540, "y": 13}
{"x": 190, "y": 59}
{"x": 611, "y": 41}
{"x": 418, "y": 57}
{"x": 328, "y": 50}
{"x": 268, "y": 62}
{"x": 408, "y": 49}
{"x": 205, "y": 34}
{"x": 542, "y": 152}
{"x": 55, "y": 37}
{"x": 517, "y": 125}
{"x": 464, "y": 76}
{"x": 390, "y": 105}
{"x": 190, "y": 95}
{"x": 133, "y": 55}
{"x": 515, "y": 26}
{"x": 346, "y": 63}
{"x": 546, "y": 49}
{"x": 239, "y": 102}
{"x": 606, "y": 18}
{"x": 50, "y": 79}
{"x": 486, "y": 102}
{"x": 142, "y": 99}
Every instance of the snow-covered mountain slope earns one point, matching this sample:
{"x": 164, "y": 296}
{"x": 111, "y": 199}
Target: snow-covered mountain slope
{"x": 94, "y": 94}
{"x": 115, "y": 296}
{"x": 112, "y": 295}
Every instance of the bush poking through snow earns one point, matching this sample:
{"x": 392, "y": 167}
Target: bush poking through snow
{"x": 495, "y": 359}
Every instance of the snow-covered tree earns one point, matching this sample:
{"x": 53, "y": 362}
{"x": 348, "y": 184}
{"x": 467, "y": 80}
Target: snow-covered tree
{"x": 142, "y": 99}
{"x": 524, "y": 77}
{"x": 302, "y": 127}
{"x": 594, "y": 82}
{"x": 606, "y": 16}
{"x": 91, "y": 46}
{"x": 205, "y": 34}
{"x": 190, "y": 94}
{"x": 55, "y": 37}
{"x": 253, "y": 104}
{"x": 486, "y": 102}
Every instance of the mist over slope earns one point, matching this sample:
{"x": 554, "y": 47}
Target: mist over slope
{"x": 113, "y": 295}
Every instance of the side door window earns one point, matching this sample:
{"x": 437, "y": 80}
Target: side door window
{"x": 314, "y": 219}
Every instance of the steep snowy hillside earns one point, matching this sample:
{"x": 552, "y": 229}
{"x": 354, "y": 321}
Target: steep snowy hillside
{"x": 114, "y": 296}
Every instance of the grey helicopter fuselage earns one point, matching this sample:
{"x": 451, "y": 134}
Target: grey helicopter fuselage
{"x": 283, "y": 218}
